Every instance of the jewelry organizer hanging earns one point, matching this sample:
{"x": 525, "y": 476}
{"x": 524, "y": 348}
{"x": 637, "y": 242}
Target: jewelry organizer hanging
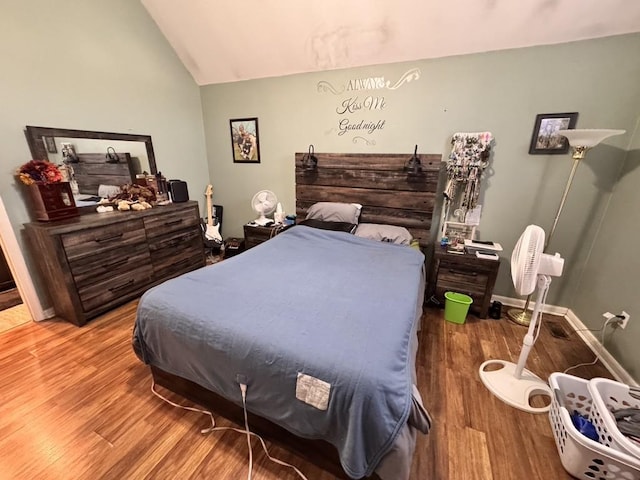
{"x": 465, "y": 168}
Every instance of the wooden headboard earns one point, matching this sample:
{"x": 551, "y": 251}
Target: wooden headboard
{"x": 388, "y": 194}
{"x": 92, "y": 170}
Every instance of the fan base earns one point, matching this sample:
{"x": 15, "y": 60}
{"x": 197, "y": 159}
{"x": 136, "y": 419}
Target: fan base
{"x": 513, "y": 391}
{"x": 519, "y": 316}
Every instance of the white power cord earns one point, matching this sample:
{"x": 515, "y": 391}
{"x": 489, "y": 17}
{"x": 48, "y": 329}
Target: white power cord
{"x": 213, "y": 428}
{"x": 603, "y": 330}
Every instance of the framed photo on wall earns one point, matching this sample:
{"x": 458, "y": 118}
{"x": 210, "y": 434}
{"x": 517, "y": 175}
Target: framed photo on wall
{"x": 545, "y": 139}
{"x": 50, "y": 143}
{"x": 245, "y": 143}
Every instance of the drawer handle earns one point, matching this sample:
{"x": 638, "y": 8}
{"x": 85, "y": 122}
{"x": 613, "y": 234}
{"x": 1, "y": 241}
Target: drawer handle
{"x": 116, "y": 263}
{"x": 451, "y": 270}
{"x": 109, "y": 238}
{"x": 120, "y": 287}
{"x": 173, "y": 222}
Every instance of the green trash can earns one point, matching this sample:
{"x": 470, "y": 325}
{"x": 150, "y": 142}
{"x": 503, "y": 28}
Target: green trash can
{"x": 456, "y": 306}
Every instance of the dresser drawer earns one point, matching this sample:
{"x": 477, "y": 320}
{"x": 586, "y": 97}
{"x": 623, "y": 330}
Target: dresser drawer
{"x": 96, "y": 241}
{"x": 161, "y": 225}
{"x": 114, "y": 287}
{"x": 177, "y": 253}
{"x": 106, "y": 265}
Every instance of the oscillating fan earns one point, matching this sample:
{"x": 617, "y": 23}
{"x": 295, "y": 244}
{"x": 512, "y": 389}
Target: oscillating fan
{"x": 264, "y": 203}
{"x": 530, "y": 267}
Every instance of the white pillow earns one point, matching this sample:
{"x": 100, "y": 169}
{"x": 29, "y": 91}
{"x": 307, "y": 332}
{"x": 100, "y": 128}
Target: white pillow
{"x": 384, "y": 233}
{"x": 335, "y": 212}
{"x": 106, "y": 191}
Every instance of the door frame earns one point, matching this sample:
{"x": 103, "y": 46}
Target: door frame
{"x": 18, "y": 267}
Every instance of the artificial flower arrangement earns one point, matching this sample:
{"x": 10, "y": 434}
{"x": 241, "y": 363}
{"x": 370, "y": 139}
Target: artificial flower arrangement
{"x": 39, "y": 171}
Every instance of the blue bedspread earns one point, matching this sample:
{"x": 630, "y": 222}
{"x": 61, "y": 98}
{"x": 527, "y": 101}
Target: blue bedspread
{"x": 327, "y": 304}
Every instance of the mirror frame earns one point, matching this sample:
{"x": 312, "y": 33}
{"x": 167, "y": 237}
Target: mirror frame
{"x": 39, "y": 152}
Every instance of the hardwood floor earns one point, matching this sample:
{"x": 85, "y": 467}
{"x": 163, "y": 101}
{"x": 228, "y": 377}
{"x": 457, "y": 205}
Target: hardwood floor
{"x": 75, "y": 403}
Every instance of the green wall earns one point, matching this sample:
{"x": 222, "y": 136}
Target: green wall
{"x": 94, "y": 66}
{"x": 610, "y": 278}
{"x": 500, "y": 91}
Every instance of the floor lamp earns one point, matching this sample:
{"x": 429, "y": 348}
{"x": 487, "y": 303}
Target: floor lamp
{"x": 580, "y": 140}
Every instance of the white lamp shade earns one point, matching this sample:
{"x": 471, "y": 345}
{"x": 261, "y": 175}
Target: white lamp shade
{"x": 589, "y": 137}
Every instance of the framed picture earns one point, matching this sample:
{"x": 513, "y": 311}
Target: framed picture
{"x": 545, "y": 139}
{"x": 50, "y": 143}
{"x": 245, "y": 142}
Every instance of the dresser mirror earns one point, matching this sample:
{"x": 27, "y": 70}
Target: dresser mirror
{"x": 99, "y": 161}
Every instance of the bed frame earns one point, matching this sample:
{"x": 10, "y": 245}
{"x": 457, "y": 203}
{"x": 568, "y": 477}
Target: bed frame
{"x": 389, "y": 195}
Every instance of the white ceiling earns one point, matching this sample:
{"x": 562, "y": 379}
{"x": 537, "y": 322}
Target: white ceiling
{"x": 226, "y": 41}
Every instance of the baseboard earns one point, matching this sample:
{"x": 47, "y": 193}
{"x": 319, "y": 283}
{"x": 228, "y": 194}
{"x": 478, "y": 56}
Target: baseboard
{"x": 48, "y": 313}
{"x": 519, "y": 303}
{"x": 610, "y": 363}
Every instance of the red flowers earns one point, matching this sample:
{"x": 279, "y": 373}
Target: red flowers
{"x": 39, "y": 171}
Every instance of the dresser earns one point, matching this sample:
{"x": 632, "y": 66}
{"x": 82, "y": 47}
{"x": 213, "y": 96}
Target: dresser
{"x": 464, "y": 273}
{"x": 95, "y": 262}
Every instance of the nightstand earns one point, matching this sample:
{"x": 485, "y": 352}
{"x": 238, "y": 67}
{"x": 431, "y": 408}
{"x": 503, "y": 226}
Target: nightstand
{"x": 464, "y": 273}
{"x": 256, "y": 234}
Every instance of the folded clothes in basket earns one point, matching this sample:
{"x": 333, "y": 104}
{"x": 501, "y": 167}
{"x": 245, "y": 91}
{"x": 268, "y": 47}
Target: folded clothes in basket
{"x": 628, "y": 422}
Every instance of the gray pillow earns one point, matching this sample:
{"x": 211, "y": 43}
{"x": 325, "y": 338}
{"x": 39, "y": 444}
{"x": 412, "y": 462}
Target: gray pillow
{"x": 384, "y": 233}
{"x": 335, "y": 212}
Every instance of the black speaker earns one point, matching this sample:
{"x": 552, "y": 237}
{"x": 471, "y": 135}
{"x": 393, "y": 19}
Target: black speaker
{"x": 179, "y": 191}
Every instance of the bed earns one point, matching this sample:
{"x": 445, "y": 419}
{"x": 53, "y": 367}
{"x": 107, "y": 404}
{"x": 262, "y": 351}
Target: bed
{"x": 320, "y": 324}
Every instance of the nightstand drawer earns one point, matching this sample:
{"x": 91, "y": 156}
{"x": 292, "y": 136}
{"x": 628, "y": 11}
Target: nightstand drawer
{"x": 464, "y": 273}
{"x": 462, "y": 281}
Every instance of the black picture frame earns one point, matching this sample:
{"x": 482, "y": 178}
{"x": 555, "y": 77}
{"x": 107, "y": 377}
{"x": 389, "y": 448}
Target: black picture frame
{"x": 545, "y": 139}
{"x": 245, "y": 140}
{"x": 50, "y": 144}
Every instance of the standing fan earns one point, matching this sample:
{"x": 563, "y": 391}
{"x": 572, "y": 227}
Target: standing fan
{"x": 264, "y": 203}
{"x": 511, "y": 383}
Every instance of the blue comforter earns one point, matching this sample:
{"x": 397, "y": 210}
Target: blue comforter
{"x": 330, "y": 305}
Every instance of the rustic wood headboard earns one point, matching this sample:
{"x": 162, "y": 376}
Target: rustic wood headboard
{"x": 379, "y": 182}
{"x": 92, "y": 170}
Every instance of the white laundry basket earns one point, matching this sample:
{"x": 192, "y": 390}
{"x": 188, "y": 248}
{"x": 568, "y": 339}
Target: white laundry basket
{"x": 582, "y": 457}
{"x": 609, "y": 395}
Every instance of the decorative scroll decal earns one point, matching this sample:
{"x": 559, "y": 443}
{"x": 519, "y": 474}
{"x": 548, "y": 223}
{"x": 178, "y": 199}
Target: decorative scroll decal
{"x": 355, "y": 111}
{"x": 409, "y": 75}
{"x": 368, "y": 142}
{"x": 324, "y": 86}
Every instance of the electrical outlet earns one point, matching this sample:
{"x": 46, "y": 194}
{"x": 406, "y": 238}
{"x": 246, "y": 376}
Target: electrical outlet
{"x": 625, "y": 320}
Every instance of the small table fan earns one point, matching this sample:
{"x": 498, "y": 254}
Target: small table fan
{"x": 511, "y": 383}
{"x": 264, "y": 203}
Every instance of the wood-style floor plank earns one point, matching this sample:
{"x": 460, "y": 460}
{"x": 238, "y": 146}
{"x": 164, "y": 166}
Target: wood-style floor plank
{"x": 77, "y": 403}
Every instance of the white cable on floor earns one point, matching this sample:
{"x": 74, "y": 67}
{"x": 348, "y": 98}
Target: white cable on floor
{"x": 213, "y": 428}
{"x": 595, "y": 360}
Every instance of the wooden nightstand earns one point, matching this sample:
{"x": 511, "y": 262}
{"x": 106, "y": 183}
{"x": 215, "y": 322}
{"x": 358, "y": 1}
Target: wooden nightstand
{"x": 255, "y": 234}
{"x": 464, "y": 273}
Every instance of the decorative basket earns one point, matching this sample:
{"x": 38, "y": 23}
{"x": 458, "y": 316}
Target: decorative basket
{"x": 580, "y": 456}
{"x": 609, "y": 395}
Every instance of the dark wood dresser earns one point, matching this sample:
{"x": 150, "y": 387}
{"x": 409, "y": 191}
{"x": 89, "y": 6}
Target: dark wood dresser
{"x": 464, "y": 273}
{"x": 97, "y": 261}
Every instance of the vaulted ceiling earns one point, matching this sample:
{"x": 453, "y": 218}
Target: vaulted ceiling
{"x": 225, "y": 41}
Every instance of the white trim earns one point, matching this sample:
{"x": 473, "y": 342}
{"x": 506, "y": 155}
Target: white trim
{"x": 517, "y": 302}
{"x": 608, "y": 360}
{"x": 19, "y": 269}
